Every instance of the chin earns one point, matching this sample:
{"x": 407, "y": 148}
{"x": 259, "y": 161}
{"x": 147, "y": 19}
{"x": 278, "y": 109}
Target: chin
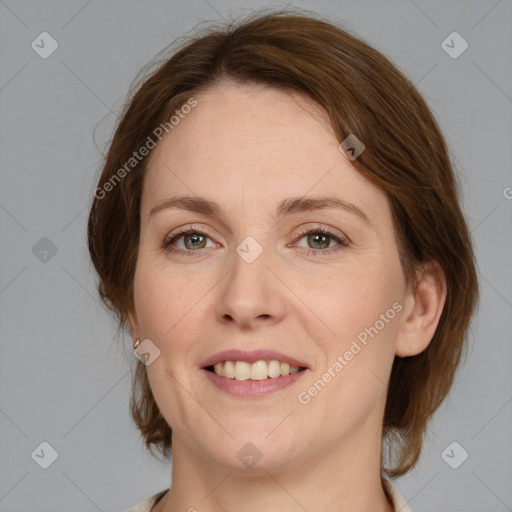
{"x": 252, "y": 452}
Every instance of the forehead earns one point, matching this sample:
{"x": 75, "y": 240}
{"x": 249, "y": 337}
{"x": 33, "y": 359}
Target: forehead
{"x": 255, "y": 143}
{"x": 237, "y": 123}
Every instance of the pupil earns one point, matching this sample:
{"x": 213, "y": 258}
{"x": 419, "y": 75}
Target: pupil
{"x": 194, "y": 238}
{"x": 319, "y": 236}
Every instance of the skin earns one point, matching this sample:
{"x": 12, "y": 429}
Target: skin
{"x": 248, "y": 148}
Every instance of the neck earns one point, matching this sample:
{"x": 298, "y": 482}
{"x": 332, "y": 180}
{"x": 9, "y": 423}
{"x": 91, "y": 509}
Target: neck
{"x": 336, "y": 479}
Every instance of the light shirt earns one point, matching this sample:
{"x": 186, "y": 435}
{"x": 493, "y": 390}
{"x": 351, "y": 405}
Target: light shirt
{"x": 399, "y": 503}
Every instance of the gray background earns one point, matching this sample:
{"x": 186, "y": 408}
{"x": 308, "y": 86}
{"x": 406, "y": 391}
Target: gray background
{"x": 65, "y": 381}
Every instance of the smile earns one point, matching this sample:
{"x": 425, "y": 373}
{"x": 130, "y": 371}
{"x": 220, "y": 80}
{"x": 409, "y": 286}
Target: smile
{"x": 258, "y": 370}
{"x": 247, "y": 387}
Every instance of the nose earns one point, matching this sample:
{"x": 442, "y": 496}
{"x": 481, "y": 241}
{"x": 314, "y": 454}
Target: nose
{"x": 251, "y": 293}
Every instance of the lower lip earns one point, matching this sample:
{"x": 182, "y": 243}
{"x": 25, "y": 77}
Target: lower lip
{"x": 252, "y": 388}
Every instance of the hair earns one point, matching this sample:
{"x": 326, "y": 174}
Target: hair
{"x": 405, "y": 155}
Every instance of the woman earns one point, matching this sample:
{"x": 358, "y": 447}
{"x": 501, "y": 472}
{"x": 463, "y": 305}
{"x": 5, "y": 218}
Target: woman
{"x": 277, "y": 223}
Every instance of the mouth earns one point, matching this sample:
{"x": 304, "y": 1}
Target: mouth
{"x": 257, "y": 370}
{"x": 251, "y": 374}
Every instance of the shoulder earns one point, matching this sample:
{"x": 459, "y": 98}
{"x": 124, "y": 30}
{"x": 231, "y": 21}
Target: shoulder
{"x": 148, "y": 503}
{"x": 399, "y": 502}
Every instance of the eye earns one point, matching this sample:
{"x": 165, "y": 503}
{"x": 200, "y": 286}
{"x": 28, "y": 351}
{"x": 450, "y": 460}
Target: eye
{"x": 194, "y": 241}
{"x": 321, "y": 238}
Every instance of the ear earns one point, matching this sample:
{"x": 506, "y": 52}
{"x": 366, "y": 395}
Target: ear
{"x": 134, "y": 325}
{"x": 423, "y": 307}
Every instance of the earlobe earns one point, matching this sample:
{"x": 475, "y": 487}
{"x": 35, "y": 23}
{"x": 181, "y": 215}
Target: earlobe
{"x": 424, "y": 306}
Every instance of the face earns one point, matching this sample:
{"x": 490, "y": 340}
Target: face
{"x": 315, "y": 285}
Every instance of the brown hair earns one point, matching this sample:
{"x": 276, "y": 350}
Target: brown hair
{"x": 406, "y": 156}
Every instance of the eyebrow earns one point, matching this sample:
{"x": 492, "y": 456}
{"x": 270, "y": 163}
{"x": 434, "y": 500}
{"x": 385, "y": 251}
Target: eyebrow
{"x": 286, "y": 207}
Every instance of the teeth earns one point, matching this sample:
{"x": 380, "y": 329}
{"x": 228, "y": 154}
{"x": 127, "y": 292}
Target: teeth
{"x": 242, "y": 370}
{"x": 274, "y": 368}
{"x": 229, "y": 370}
{"x": 260, "y": 370}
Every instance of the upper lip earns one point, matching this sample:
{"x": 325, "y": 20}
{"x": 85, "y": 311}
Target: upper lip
{"x": 251, "y": 357}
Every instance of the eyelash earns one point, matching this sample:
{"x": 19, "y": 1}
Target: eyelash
{"x": 342, "y": 241}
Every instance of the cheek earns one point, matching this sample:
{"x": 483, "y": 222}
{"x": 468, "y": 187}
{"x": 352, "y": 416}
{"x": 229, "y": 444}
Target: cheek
{"x": 170, "y": 312}
{"x": 361, "y": 307}
{"x": 161, "y": 300}
{"x": 352, "y": 299}
{"x": 350, "y": 384}
{"x": 150, "y": 303}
